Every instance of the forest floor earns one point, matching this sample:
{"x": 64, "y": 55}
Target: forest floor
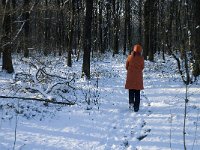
{"x": 100, "y": 119}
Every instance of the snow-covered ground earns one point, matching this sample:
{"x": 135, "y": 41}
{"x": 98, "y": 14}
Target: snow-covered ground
{"x": 105, "y": 124}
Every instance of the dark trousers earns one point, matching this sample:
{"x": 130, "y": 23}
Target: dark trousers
{"x": 134, "y": 98}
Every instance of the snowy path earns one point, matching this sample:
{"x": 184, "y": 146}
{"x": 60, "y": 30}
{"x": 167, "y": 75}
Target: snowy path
{"x": 112, "y": 126}
{"x": 157, "y": 125}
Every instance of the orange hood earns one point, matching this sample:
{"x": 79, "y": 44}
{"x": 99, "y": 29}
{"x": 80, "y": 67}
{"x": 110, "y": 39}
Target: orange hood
{"x": 137, "y": 48}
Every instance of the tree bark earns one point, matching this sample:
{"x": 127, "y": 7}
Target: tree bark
{"x": 87, "y": 38}
{"x": 140, "y": 22}
{"x": 26, "y": 15}
{"x": 102, "y": 50}
{"x": 146, "y": 29}
{"x": 126, "y": 26}
{"x": 47, "y": 33}
{"x": 116, "y": 27}
{"x": 6, "y": 39}
{"x": 71, "y": 33}
{"x": 150, "y": 17}
{"x": 196, "y": 6}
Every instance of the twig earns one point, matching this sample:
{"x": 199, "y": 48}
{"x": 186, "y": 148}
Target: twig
{"x": 170, "y": 134}
{"x": 195, "y": 135}
{"x": 67, "y": 83}
{"x": 16, "y": 123}
{"x": 185, "y": 117}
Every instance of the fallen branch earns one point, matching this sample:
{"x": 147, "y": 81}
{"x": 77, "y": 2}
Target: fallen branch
{"x": 37, "y": 99}
{"x": 43, "y": 72}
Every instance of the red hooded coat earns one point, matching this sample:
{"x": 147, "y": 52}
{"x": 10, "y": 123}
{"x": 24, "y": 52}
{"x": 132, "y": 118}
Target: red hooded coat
{"x": 134, "y": 67}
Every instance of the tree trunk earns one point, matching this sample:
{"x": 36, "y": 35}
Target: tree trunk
{"x": 6, "y": 39}
{"x": 79, "y": 27}
{"x": 153, "y": 30}
{"x": 127, "y": 2}
{"x": 107, "y": 32}
{"x": 59, "y": 28}
{"x": 102, "y": 50}
{"x": 87, "y": 38}
{"x": 116, "y": 27}
{"x": 150, "y": 16}
{"x": 26, "y": 16}
{"x": 47, "y": 29}
{"x": 71, "y": 33}
{"x": 146, "y": 29}
{"x": 196, "y": 71}
{"x": 140, "y": 22}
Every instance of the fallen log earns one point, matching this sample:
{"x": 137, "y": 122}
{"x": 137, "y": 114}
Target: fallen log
{"x": 37, "y": 99}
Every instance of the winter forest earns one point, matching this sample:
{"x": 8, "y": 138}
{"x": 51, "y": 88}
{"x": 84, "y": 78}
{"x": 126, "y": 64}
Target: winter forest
{"x": 63, "y": 73}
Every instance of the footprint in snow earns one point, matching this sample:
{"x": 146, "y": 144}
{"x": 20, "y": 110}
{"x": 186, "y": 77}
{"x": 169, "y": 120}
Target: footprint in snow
{"x": 146, "y": 132}
{"x": 140, "y": 133}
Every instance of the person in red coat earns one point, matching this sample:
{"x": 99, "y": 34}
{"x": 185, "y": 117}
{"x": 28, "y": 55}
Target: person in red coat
{"x": 134, "y": 80}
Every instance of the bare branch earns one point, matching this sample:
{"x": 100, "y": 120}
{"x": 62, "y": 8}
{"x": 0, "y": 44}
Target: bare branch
{"x": 20, "y": 30}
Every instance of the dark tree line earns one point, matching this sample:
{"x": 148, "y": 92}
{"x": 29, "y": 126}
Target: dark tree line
{"x": 92, "y": 27}
{"x": 173, "y": 27}
{"x": 196, "y": 36}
